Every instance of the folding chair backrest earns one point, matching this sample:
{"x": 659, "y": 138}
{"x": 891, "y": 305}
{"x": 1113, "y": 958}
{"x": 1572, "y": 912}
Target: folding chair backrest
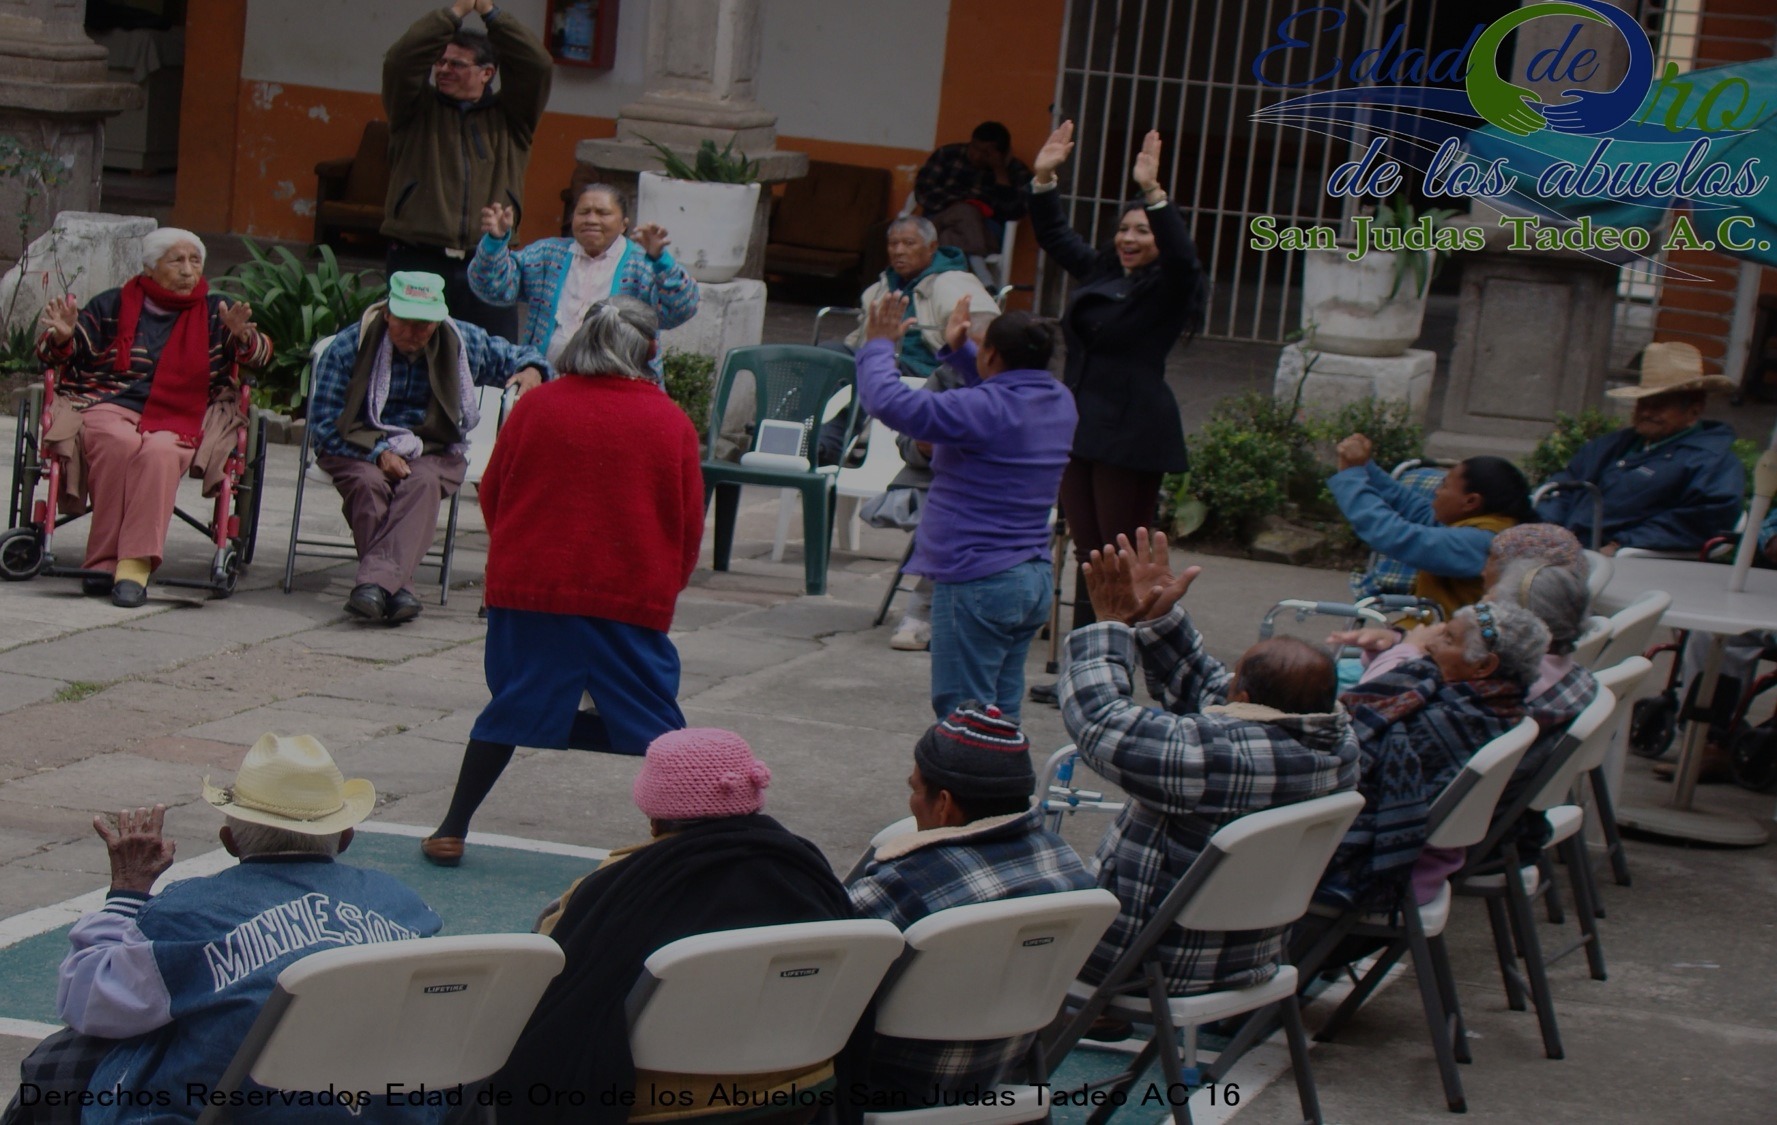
{"x": 757, "y": 1000}
{"x": 899, "y": 828}
{"x": 437, "y": 1011}
{"x": 791, "y": 383}
{"x": 306, "y": 381}
{"x": 1594, "y": 635}
{"x": 994, "y": 969}
{"x": 1632, "y": 627}
{"x": 1589, "y": 732}
{"x": 1599, "y": 570}
{"x": 1460, "y": 816}
{"x": 1623, "y": 681}
{"x": 1260, "y": 870}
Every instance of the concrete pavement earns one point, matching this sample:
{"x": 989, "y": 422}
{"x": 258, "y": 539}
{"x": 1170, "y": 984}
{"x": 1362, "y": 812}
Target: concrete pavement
{"x": 102, "y": 708}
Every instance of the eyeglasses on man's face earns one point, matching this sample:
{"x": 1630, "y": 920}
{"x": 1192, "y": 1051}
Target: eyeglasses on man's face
{"x": 457, "y": 65}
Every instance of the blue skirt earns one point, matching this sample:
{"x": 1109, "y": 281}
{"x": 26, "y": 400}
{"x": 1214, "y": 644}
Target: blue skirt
{"x": 539, "y": 663}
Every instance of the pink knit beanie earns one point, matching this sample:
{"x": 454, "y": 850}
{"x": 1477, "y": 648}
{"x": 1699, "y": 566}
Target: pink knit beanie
{"x": 700, "y": 772}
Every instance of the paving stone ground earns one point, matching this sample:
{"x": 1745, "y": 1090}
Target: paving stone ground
{"x": 102, "y": 707}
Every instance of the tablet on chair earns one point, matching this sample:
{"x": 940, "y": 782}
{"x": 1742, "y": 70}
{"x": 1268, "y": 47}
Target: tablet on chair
{"x": 777, "y": 445}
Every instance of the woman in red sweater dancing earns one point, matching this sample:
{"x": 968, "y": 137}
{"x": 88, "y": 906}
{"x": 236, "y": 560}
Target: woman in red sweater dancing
{"x": 590, "y": 474}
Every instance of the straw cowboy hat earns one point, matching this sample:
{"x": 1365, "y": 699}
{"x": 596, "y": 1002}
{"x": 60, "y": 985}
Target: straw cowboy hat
{"x": 1672, "y": 368}
{"x": 290, "y": 782}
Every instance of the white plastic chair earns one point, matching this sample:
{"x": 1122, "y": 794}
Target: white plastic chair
{"x": 882, "y": 461}
{"x": 1459, "y": 818}
{"x": 1632, "y": 627}
{"x": 758, "y": 1000}
{"x": 899, "y": 828}
{"x": 1598, "y": 573}
{"x": 1624, "y": 681}
{"x": 1256, "y": 873}
{"x": 436, "y": 1012}
{"x": 993, "y": 970}
{"x": 1594, "y": 635}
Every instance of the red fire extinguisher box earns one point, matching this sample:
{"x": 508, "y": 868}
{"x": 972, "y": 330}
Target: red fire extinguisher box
{"x": 582, "y": 32}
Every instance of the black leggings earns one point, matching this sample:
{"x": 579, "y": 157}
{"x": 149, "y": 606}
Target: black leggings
{"x": 1101, "y": 502}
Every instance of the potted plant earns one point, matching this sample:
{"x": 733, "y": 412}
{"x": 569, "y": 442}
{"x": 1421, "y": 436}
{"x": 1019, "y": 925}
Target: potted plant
{"x": 708, "y": 204}
{"x": 1373, "y": 306}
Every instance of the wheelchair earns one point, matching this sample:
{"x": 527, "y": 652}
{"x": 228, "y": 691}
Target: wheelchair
{"x": 27, "y": 550}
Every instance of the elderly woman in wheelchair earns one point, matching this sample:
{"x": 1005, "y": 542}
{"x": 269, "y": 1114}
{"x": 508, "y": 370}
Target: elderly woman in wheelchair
{"x": 146, "y": 384}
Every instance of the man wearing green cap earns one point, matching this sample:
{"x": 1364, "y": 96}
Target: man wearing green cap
{"x": 393, "y": 403}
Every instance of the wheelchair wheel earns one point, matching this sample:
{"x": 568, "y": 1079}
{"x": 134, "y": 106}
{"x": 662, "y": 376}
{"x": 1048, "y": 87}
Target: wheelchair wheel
{"x": 226, "y": 574}
{"x": 1652, "y": 725}
{"x": 21, "y": 554}
{"x": 1753, "y": 758}
{"x": 250, "y": 520}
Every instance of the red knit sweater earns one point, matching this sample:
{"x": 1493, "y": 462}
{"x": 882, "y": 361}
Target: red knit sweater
{"x": 594, "y": 502}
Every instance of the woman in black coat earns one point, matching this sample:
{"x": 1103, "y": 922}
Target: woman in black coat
{"x": 1132, "y": 300}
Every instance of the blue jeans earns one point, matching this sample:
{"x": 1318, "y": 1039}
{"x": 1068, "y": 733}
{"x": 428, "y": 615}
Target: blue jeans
{"x": 981, "y": 631}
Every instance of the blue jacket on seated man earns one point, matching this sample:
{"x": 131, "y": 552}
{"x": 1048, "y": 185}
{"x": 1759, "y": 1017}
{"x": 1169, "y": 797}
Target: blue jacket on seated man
{"x": 1670, "y": 480}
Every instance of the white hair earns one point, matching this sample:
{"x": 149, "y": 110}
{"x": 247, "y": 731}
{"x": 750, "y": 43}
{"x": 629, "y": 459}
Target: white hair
{"x": 921, "y": 225}
{"x": 1555, "y": 594}
{"x": 615, "y": 337}
{"x": 1520, "y": 640}
{"x": 156, "y": 243}
{"x": 263, "y": 839}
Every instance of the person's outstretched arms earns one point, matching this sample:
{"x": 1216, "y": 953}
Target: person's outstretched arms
{"x": 1178, "y": 254}
{"x": 526, "y": 70}
{"x": 1058, "y": 240}
{"x": 407, "y": 64}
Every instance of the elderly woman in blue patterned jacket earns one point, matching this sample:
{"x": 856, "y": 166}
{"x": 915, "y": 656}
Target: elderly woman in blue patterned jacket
{"x": 558, "y": 279}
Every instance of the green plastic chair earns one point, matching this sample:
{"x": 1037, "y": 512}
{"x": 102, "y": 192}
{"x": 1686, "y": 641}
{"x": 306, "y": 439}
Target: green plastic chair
{"x": 792, "y": 383}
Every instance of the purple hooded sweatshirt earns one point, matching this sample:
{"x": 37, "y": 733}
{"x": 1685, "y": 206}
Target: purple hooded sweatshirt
{"x": 1000, "y": 447}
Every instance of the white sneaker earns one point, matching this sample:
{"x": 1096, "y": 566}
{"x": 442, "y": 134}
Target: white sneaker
{"x": 912, "y": 635}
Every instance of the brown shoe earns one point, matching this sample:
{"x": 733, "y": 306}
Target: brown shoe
{"x": 445, "y": 851}
{"x": 1718, "y": 766}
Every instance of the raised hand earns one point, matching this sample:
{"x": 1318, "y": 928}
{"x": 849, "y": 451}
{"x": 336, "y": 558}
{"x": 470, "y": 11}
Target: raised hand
{"x": 1354, "y": 451}
{"x": 888, "y": 318}
{"x": 1054, "y": 153}
{"x": 59, "y": 318}
{"x": 653, "y": 238}
{"x": 956, "y": 329}
{"x": 138, "y": 851}
{"x": 496, "y": 219}
{"x": 1107, "y": 585}
{"x": 462, "y": 8}
{"x": 1146, "y": 171}
{"x": 1147, "y": 560}
{"x": 238, "y": 318}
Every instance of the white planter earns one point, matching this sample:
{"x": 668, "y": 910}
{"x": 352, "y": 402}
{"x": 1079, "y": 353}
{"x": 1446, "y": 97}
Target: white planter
{"x": 1346, "y": 307}
{"x": 711, "y": 224}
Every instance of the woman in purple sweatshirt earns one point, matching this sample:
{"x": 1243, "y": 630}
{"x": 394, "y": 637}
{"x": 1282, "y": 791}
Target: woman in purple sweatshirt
{"x": 1000, "y": 443}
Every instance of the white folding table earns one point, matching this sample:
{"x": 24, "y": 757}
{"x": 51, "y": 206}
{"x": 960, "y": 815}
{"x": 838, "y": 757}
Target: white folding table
{"x": 1702, "y": 604}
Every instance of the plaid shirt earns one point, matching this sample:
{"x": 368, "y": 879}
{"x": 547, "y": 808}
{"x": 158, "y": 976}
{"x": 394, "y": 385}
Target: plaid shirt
{"x": 492, "y": 360}
{"x": 947, "y": 177}
{"x": 1189, "y": 769}
{"x": 924, "y": 872}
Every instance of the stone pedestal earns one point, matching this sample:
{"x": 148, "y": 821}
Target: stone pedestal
{"x": 54, "y": 98}
{"x": 1532, "y": 340}
{"x": 729, "y": 315}
{"x": 1336, "y": 380}
{"x": 703, "y": 62}
{"x": 83, "y": 254}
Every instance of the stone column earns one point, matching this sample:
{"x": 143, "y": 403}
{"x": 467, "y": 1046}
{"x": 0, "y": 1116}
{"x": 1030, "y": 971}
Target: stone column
{"x": 54, "y": 98}
{"x": 703, "y": 60}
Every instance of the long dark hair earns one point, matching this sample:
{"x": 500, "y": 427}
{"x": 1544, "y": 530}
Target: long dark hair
{"x": 1197, "y": 310}
{"x": 1502, "y": 488}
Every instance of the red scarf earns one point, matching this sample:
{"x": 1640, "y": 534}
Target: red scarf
{"x": 180, "y": 392}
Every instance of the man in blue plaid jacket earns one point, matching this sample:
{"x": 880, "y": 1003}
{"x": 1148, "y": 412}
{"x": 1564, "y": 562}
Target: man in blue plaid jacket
{"x": 977, "y": 839}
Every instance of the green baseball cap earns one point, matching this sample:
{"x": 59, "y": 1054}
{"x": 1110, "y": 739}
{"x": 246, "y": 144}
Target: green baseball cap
{"x": 417, "y": 296}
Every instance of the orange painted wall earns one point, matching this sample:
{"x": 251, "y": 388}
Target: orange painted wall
{"x": 249, "y": 148}
{"x": 216, "y": 32}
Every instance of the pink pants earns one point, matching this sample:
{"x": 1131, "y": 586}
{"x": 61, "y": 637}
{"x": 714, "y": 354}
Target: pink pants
{"x": 134, "y": 480}
{"x": 393, "y": 522}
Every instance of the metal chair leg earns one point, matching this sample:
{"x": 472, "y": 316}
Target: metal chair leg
{"x": 450, "y": 549}
{"x": 894, "y": 585}
{"x": 1534, "y": 967}
{"x": 1508, "y": 958}
{"x": 1607, "y": 822}
{"x": 1437, "y": 1021}
{"x": 1305, "y": 1091}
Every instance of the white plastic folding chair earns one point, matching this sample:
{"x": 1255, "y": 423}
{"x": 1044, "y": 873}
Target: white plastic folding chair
{"x": 1256, "y": 873}
{"x": 1632, "y": 627}
{"x": 899, "y": 828}
{"x": 1459, "y": 818}
{"x": 1594, "y": 635}
{"x": 759, "y": 1000}
{"x": 993, "y": 970}
{"x": 882, "y": 461}
{"x": 437, "y": 1012}
{"x": 1599, "y": 569}
{"x": 1624, "y": 681}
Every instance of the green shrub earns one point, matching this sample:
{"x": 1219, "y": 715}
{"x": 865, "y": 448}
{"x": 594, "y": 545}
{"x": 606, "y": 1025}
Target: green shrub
{"x": 690, "y": 382}
{"x": 1552, "y": 454}
{"x": 296, "y": 307}
{"x": 1249, "y": 459}
{"x": 1389, "y": 425}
